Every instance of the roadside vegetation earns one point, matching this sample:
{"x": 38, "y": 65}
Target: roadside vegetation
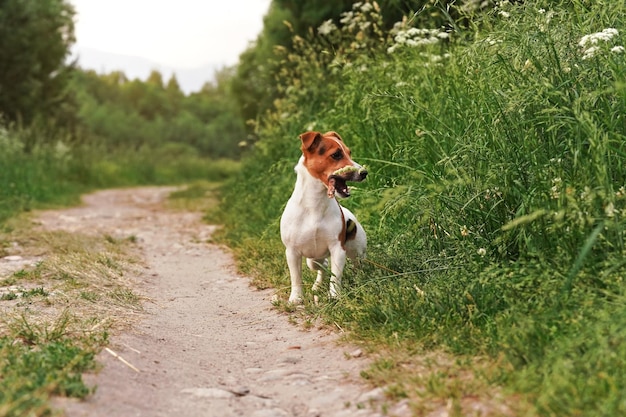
{"x": 495, "y": 203}
{"x": 57, "y": 312}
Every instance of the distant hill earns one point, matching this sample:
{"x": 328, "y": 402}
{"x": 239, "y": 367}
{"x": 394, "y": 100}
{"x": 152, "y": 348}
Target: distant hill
{"x": 190, "y": 79}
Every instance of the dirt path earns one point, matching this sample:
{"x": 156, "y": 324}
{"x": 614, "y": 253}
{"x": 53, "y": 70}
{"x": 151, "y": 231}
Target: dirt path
{"x": 209, "y": 344}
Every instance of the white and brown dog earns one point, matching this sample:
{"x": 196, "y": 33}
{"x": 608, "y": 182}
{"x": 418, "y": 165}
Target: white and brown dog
{"x": 314, "y": 225}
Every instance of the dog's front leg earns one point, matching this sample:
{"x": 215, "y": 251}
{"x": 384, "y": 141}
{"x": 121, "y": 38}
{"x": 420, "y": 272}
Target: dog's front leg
{"x": 337, "y": 263}
{"x": 294, "y": 261}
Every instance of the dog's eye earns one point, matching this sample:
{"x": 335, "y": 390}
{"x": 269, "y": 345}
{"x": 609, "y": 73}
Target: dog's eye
{"x": 337, "y": 156}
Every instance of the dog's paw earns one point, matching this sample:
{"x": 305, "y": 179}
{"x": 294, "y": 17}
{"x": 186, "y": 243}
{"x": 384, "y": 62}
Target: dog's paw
{"x": 295, "y": 299}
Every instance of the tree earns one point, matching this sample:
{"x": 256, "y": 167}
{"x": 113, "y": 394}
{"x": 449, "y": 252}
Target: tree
{"x": 35, "y": 41}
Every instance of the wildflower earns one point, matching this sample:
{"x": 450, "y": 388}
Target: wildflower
{"x": 504, "y": 14}
{"x": 326, "y": 28}
{"x": 590, "y": 52}
{"x": 366, "y": 7}
{"x": 418, "y": 291}
{"x": 347, "y": 17}
{"x": 414, "y": 37}
{"x": 593, "y": 39}
{"x": 621, "y": 192}
{"x": 590, "y": 43}
{"x": 482, "y": 251}
{"x": 464, "y": 231}
{"x": 585, "y": 193}
{"x": 609, "y": 210}
{"x": 542, "y": 11}
{"x": 555, "y": 190}
{"x": 617, "y": 49}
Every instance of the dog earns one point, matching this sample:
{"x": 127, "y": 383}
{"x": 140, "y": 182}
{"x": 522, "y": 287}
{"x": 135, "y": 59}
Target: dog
{"x": 313, "y": 224}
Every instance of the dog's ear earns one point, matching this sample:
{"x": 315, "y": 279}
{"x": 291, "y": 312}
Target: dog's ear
{"x": 310, "y": 140}
{"x": 335, "y": 134}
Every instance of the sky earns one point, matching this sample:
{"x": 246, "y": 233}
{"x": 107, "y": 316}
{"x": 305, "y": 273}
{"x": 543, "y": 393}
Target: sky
{"x": 188, "y": 37}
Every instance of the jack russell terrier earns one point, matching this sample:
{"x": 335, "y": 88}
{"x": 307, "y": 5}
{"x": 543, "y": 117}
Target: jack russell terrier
{"x": 314, "y": 225}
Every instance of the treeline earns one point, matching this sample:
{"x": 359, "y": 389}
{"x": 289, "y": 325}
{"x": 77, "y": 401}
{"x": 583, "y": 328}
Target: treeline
{"x": 122, "y": 113}
{"x": 50, "y": 98}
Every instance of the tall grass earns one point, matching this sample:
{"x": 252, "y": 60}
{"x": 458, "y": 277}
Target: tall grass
{"x": 55, "y": 173}
{"x": 496, "y": 188}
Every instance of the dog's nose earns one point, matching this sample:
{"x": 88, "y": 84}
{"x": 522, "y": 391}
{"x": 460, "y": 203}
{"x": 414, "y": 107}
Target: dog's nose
{"x": 363, "y": 174}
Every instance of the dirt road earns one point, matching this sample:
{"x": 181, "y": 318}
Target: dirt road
{"x": 209, "y": 344}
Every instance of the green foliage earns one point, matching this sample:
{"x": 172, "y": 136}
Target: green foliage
{"x": 496, "y": 197}
{"x": 57, "y": 174}
{"x": 289, "y": 20}
{"x": 120, "y": 114}
{"x": 39, "y": 362}
{"x": 35, "y": 41}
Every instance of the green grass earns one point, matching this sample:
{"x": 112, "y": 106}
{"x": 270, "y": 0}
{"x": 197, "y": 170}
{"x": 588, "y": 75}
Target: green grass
{"x": 54, "y": 174}
{"x": 40, "y": 361}
{"x": 496, "y": 187}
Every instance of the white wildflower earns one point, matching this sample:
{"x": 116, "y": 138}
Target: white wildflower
{"x": 346, "y": 17}
{"x": 414, "y": 37}
{"x": 542, "y": 11}
{"x": 326, "y": 27}
{"x": 504, "y": 14}
{"x": 585, "y": 193}
{"x": 482, "y": 251}
{"x": 363, "y": 26}
{"x": 593, "y": 39}
{"x": 366, "y": 7}
{"x": 555, "y": 190}
{"x": 590, "y": 52}
{"x": 609, "y": 210}
{"x": 617, "y": 49}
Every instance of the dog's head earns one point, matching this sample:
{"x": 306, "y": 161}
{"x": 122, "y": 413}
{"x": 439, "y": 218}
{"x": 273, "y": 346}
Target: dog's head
{"x": 328, "y": 159}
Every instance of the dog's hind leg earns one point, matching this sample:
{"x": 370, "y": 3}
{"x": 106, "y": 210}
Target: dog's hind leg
{"x": 337, "y": 263}
{"x": 321, "y": 266}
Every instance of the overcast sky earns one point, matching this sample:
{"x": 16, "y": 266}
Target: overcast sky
{"x": 175, "y": 34}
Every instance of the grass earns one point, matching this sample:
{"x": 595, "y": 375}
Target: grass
{"x": 55, "y": 174}
{"x": 58, "y": 312}
{"x": 496, "y": 191}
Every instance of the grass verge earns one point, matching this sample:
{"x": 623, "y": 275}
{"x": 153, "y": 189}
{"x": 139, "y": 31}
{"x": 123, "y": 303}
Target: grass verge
{"x": 496, "y": 191}
{"x": 59, "y": 304}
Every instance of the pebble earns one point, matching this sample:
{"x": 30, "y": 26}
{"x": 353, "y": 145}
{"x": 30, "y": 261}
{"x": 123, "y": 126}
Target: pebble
{"x": 356, "y": 353}
{"x": 377, "y": 394}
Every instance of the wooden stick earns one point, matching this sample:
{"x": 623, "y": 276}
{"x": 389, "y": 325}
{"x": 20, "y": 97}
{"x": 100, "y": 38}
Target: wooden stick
{"x": 116, "y": 356}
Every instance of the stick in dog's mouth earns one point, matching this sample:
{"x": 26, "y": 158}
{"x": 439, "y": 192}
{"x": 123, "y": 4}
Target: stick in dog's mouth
{"x": 337, "y": 182}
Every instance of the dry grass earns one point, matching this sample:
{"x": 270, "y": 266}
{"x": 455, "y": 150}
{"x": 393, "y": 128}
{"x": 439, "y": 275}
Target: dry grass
{"x": 54, "y": 272}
